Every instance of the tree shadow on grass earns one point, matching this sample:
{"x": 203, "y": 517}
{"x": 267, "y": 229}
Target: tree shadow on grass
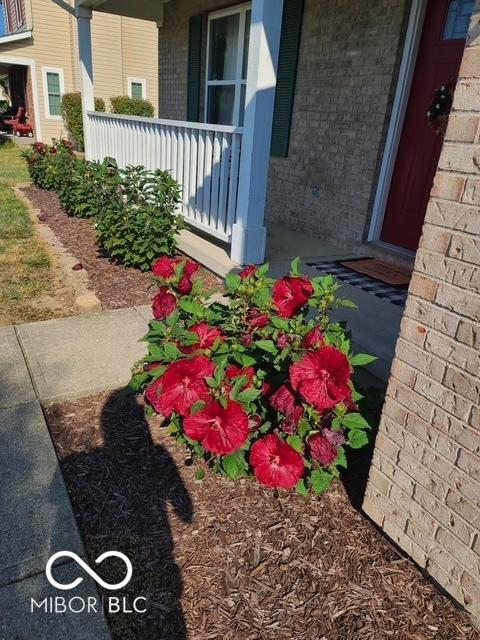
{"x": 121, "y": 491}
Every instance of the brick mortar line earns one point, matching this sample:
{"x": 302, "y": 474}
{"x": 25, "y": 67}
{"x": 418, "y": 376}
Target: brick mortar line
{"x": 451, "y": 366}
{"x": 440, "y": 306}
{"x": 439, "y": 334}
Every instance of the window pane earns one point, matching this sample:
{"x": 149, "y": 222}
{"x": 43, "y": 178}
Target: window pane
{"x": 246, "y": 43}
{"x": 224, "y": 47}
{"x": 241, "y": 117}
{"x": 220, "y": 104}
{"x": 54, "y": 104}
{"x": 53, "y": 82}
{"x": 458, "y": 19}
{"x": 137, "y": 90}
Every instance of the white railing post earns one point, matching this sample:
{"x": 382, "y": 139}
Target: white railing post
{"x": 84, "y": 16}
{"x": 249, "y": 233}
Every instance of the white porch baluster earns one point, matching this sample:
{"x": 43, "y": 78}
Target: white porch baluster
{"x": 249, "y": 233}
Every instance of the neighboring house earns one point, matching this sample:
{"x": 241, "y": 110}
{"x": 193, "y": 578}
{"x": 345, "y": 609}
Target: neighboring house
{"x": 313, "y": 115}
{"x": 39, "y": 55}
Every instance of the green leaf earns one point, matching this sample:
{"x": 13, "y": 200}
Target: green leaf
{"x": 266, "y": 345}
{"x": 198, "y": 406}
{"x": 347, "y": 303}
{"x": 280, "y": 323}
{"x": 357, "y": 438}
{"x": 193, "y": 308}
{"x": 362, "y": 359}
{"x": 320, "y": 480}
{"x": 301, "y": 488}
{"x": 354, "y": 421}
{"x": 248, "y": 395}
{"x": 341, "y": 460}
{"x": 296, "y": 442}
{"x": 262, "y": 297}
{"x": 296, "y": 267}
{"x": 235, "y": 465}
{"x": 199, "y": 474}
{"x": 233, "y": 281}
{"x": 247, "y": 361}
{"x": 138, "y": 380}
{"x": 171, "y": 351}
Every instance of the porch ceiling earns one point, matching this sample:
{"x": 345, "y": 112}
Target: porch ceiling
{"x": 142, "y": 9}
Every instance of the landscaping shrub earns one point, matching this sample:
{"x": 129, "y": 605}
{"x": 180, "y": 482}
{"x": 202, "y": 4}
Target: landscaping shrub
{"x": 132, "y": 106}
{"x": 73, "y": 117}
{"x": 141, "y": 223}
{"x": 89, "y": 188}
{"x": 48, "y": 166}
{"x": 260, "y": 384}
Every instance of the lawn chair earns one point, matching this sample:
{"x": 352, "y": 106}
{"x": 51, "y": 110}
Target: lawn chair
{"x": 19, "y": 124}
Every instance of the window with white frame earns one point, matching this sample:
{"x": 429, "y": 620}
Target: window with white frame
{"x": 137, "y": 88}
{"x": 227, "y": 61}
{"x": 53, "y": 85}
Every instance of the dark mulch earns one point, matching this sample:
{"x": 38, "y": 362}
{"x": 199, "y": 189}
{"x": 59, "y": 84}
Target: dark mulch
{"x": 116, "y": 286}
{"x": 232, "y": 561}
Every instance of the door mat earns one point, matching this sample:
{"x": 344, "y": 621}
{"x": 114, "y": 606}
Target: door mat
{"x": 396, "y": 294}
{"x": 380, "y": 270}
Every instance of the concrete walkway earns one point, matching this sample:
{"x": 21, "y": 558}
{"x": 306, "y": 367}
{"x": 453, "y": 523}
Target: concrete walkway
{"x": 40, "y": 363}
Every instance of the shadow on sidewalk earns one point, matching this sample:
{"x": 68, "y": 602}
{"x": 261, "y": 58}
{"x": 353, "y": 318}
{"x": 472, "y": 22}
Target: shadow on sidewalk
{"x": 121, "y": 485}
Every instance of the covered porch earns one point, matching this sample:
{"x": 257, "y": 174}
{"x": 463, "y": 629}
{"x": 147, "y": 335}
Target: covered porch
{"x": 222, "y": 169}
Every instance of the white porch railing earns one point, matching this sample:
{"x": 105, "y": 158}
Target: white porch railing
{"x": 203, "y": 158}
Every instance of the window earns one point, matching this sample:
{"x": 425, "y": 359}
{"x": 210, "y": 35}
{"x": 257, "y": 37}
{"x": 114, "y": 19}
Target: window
{"x": 227, "y": 62}
{"x": 458, "y": 19}
{"x": 137, "y": 88}
{"x": 53, "y": 86}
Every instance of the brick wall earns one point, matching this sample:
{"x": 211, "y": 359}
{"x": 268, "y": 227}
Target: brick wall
{"x": 349, "y": 57}
{"x": 424, "y": 485}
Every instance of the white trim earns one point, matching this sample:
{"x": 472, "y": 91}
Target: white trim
{"x": 13, "y": 37}
{"x": 241, "y": 9}
{"x": 28, "y": 62}
{"x": 59, "y": 72}
{"x": 221, "y": 128}
{"x": 141, "y": 81}
{"x": 405, "y": 76}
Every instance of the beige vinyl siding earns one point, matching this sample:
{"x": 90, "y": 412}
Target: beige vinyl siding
{"x": 121, "y": 48}
{"x": 140, "y": 55}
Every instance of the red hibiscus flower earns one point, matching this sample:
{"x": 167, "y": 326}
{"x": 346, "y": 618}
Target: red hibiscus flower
{"x": 247, "y": 271}
{"x": 313, "y": 339}
{"x": 322, "y": 377}
{"x": 185, "y": 285}
{"x": 164, "y": 303}
{"x": 257, "y": 319}
{"x": 182, "y": 384}
{"x": 207, "y": 336}
{"x": 322, "y": 450}
{"x": 285, "y": 401}
{"x": 290, "y": 294}
{"x": 218, "y": 430}
{"x": 276, "y": 463}
{"x": 164, "y": 267}
{"x": 283, "y": 341}
{"x": 337, "y": 438}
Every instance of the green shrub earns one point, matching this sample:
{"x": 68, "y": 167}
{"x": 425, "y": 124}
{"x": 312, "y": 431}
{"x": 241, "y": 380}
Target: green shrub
{"x": 72, "y": 115}
{"x": 140, "y": 223}
{"x": 48, "y": 166}
{"x": 132, "y": 106}
{"x": 89, "y": 187}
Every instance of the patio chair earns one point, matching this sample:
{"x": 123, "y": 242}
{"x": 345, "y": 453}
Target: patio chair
{"x": 18, "y": 119}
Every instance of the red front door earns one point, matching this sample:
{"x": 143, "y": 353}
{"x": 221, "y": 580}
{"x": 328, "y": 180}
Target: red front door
{"x": 438, "y": 61}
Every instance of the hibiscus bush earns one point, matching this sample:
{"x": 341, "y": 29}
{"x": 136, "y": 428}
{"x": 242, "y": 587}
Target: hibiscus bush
{"x": 258, "y": 381}
{"x": 49, "y": 164}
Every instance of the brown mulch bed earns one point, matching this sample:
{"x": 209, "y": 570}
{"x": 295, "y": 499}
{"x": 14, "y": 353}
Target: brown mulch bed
{"x": 116, "y": 286}
{"x": 232, "y": 561}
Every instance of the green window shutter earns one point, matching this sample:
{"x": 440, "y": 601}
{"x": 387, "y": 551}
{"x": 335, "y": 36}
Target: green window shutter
{"x": 194, "y": 68}
{"x": 286, "y": 76}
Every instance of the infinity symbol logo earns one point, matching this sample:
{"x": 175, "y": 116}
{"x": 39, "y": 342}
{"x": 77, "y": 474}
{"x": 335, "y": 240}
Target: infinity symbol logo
{"x": 84, "y": 565}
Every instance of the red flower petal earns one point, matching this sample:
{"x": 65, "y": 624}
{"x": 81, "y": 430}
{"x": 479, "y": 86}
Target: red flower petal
{"x": 207, "y": 336}
{"x": 276, "y": 463}
{"x": 220, "y": 431}
{"x": 290, "y": 294}
{"x": 322, "y": 449}
{"x": 322, "y": 377}
{"x": 164, "y": 303}
{"x": 247, "y": 271}
{"x": 313, "y": 339}
{"x": 164, "y": 267}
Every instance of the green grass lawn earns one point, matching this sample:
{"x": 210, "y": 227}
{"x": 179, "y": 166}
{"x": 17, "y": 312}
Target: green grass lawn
{"x": 25, "y": 265}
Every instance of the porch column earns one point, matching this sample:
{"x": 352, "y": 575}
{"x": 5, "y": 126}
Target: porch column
{"x": 84, "y": 16}
{"x": 249, "y": 233}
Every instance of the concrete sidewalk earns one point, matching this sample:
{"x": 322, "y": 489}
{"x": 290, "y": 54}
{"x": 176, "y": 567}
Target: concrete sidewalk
{"x": 40, "y": 363}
